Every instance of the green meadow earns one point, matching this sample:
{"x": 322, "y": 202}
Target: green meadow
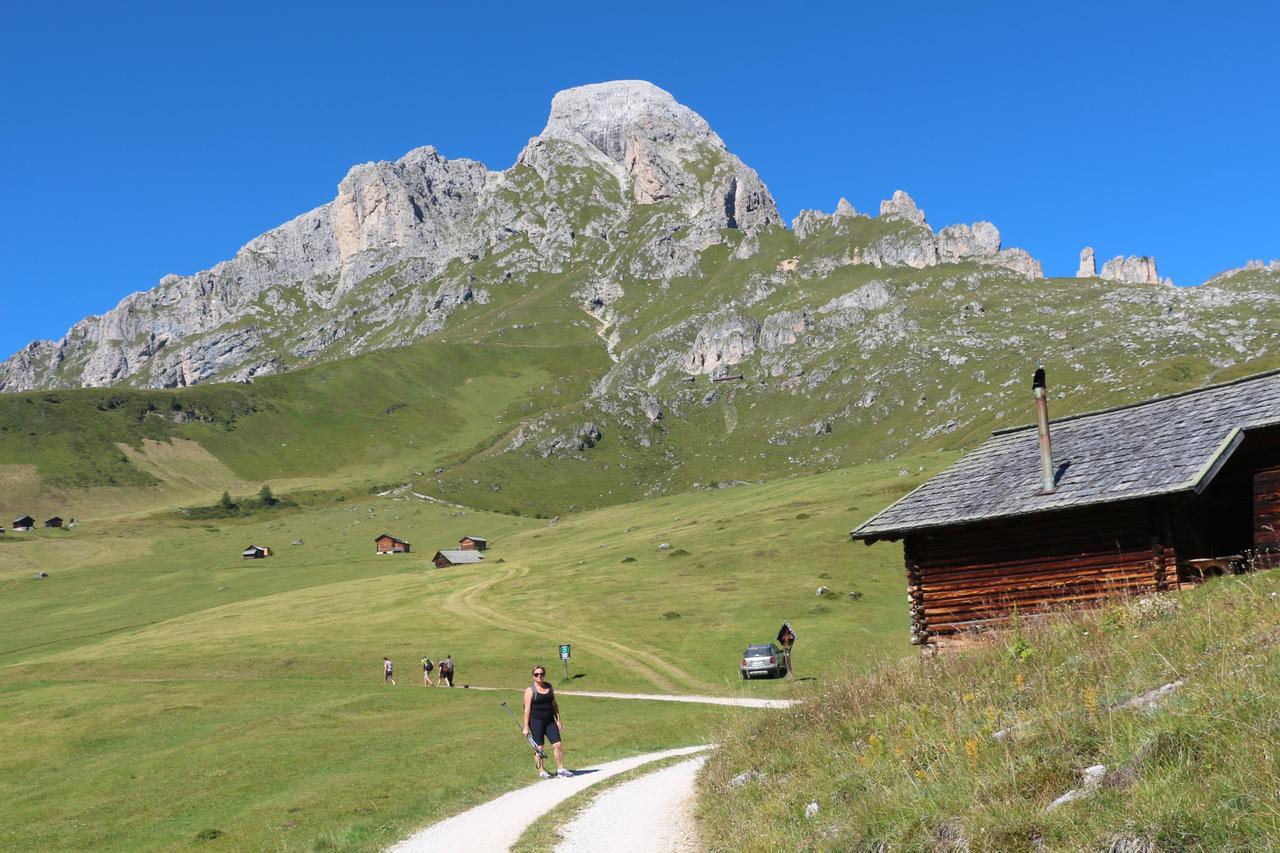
{"x": 163, "y": 692}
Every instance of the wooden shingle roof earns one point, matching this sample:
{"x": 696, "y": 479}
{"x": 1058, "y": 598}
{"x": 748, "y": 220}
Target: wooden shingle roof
{"x": 1170, "y": 444}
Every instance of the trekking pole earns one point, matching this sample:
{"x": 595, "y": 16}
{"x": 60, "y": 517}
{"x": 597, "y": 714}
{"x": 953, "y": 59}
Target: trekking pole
{"x": 533, "y": 743}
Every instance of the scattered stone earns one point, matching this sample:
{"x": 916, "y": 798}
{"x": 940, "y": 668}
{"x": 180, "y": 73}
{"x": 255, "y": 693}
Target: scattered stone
{"x": 664, "y": 546}
{"x": 40, "y": 575}
{"x": 296, "y": 542}
{"x": 1090, "y": 780}
{"x": 854, "y": 596}
{"x": 811, "y": 809}
{"x": 1152, "y": 699}
{"x": 822, "y": 590}
{"x": 746, "y": 776}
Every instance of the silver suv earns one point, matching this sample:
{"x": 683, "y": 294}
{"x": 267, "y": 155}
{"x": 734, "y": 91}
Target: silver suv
{"x": 765, "y": 659}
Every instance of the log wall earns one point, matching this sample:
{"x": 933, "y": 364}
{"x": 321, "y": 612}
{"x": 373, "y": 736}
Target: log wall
{"x": 1266, "y": 509}
{"x": 961, "y": 578}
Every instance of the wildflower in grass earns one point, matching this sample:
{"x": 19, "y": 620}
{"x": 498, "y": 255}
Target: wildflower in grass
{"x": 993, "y": 714}
{"x": 920, "y": 774}
{"x": 874, "y": 741}
{"x": 971, "y": 751}
{"x": 966, "y": 698}
{"x": 1018, "y": 682}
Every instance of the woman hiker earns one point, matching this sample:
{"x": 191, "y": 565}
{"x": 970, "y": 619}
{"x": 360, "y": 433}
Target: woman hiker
{"x": 542, "y": 720}
{"x": 427, "y": 666}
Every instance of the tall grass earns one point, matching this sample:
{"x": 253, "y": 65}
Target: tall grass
{"x": 969, "y": 749}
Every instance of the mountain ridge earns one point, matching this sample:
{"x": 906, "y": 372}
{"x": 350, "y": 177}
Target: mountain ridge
{"x": 422, "y": 212}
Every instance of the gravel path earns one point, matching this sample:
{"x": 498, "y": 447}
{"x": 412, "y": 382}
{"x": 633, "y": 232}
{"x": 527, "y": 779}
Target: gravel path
{"x": 652, "y": 814}
{"x": 734, "y": 701}
{"x": 497, "y": 824}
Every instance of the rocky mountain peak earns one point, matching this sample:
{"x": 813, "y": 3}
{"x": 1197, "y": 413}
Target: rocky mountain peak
{"x": 902, "y": 206}
{"x": 612, "y": 115}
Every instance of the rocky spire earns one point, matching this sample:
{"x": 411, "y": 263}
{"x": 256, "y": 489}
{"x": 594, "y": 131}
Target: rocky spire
{"x": 1088, "y": 265}
{"x": 901, "y": 206}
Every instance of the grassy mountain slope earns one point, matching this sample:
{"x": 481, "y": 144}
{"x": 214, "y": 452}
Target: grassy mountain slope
{"x": 968, "y": 751}
{"x": 160, "y": 686}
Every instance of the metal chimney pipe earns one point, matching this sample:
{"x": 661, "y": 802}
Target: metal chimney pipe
{"x": 1042, "y": 419}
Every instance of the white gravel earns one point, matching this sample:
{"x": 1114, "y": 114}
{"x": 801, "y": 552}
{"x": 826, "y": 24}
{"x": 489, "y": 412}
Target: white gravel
{"x": 734, "y": 701}
{"x": 652, "y": 814}
{"x": 497, "y": 824}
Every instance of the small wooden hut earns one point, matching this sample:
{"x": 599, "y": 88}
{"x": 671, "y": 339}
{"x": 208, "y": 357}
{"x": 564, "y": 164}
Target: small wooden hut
{"x": 1133, "y": 499}
{"x": 256, "y": 552}
{"x": 388, "y": 544}
{"x": 473, "y": 543}
{"x": 443, "y": 559}
{"x": 53, "y": 522}
{"x": 24, "y": 523}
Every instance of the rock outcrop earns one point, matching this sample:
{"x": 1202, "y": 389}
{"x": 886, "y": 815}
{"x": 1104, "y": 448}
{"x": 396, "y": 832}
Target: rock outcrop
{"x": 915, "y": 244}
{"x": 1088, "y": 265}
{"x": 1134, "y": 269}
{"x": 901, "y": 206}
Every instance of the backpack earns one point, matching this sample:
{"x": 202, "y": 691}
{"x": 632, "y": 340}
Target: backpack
{"x": 446, "y": 665}
{"x": 427, "y": 664}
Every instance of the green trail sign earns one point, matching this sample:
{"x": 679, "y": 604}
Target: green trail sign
{"x": 564, "y": 651}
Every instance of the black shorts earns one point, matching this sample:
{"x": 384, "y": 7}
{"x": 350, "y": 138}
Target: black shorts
{"x": 539, "y": 728}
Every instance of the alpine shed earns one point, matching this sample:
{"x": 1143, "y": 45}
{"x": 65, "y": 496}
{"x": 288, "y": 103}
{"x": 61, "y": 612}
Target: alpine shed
{"x": 1145, "y": 498}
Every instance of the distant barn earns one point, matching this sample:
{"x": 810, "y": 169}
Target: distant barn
{"x": 473, "y": 543}
{"x": 388, "y": 544}
{"x": 24, "y": 523}
{"x": 256, "y": 552}
{"x": 1134, "y": 499}
{"x": 443, "y": 559}
{"x": 53, "y": 522}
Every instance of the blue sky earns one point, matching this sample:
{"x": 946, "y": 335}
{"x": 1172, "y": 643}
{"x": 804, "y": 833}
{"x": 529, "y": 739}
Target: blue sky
{"x": 139, "y": 139}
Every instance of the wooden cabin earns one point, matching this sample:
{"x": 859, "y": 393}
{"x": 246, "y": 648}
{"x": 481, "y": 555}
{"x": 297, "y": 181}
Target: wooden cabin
{"x": 256, "y": 552}
{"x": 53, "y": 522}
{"x": 1134, "y": 499}
{"x": 444, "y": 559}
{"x": 473, "y": 543}
{"x": 388, "y": 544}
{"x": 24, "y": 523}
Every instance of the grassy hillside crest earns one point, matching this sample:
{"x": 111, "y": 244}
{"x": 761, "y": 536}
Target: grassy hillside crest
{"x": 1176, "y": 698}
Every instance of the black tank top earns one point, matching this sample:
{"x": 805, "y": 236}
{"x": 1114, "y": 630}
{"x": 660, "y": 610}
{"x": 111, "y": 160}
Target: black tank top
{"x": 543, "y": 705}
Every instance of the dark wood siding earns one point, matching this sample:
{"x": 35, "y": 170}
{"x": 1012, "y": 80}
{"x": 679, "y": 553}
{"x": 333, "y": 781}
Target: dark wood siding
{"x": 1266, "y": 509}
{"x": 962, "y": 577}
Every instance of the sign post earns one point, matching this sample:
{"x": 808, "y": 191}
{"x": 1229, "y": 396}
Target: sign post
{"x": 564, "y": 656}
{"x": 787, "y": 639}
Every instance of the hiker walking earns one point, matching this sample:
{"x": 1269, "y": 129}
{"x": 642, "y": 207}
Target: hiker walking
{"x": 446, "y": 670}
{"x": 427, "y": 666}
{"x": 542, "y": 721}
{"x": 386, "y": 672}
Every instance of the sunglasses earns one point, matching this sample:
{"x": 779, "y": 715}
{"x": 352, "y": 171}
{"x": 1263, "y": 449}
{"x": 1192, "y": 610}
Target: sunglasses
{"x": 539, "y": 674}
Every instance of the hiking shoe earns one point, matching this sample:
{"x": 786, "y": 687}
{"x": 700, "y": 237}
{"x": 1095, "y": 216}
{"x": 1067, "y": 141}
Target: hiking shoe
{"x": 544, "y": 774}
{"x": 564, "y": 774}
